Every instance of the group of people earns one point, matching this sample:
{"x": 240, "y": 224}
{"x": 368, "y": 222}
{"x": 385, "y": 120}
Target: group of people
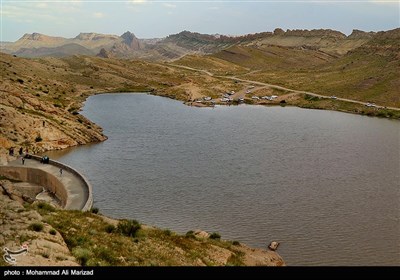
{"x": 45, "y": 159}
{"x": 20, "y": 152}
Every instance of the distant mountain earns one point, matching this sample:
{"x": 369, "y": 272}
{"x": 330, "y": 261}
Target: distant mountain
{"x": 177, "y": 45}
{"x": 61, "y": 51}
{"x": 31, "y": 45}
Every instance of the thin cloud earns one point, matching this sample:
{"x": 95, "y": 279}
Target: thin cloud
{"x": 385, "y": 2}
{"x": 51, "y": 12}
{"x": 98, "y": 15}
{"x": 138, "y": 2}
{"x": 41, "y": 5}
{"x": 169, "y": 5}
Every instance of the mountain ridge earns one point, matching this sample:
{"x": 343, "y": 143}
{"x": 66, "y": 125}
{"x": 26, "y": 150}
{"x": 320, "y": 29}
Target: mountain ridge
{"x": 175, "y": 46}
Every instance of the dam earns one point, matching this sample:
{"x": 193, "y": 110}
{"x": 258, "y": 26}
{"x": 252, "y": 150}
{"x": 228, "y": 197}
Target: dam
{"x": 70, "y": 188}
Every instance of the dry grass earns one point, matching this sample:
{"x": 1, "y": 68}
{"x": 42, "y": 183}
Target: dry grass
{"x": 91, "y": 243}
{"x": 361, "y": 75}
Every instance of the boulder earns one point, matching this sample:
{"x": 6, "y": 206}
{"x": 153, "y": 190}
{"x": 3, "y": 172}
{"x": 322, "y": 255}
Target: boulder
{"x": 273, "y": 246}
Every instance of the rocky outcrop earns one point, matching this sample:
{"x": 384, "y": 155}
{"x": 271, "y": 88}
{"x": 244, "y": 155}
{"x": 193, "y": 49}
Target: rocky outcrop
{"x": 315, "y": 33}
{"x": 386, "y": 44}
{"x": 9, "y": 189}
{"x": 279, "y": 32}
{"x": 46, "y": 247}
{"x": 104, "y": 53}
{"x": 358, "y": 34}
{"x": 131, "y": 41}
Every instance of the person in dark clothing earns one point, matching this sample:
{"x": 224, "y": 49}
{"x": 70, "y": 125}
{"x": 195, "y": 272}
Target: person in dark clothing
{"x": 21, "y": 151}
{"x": 23, "y": 161}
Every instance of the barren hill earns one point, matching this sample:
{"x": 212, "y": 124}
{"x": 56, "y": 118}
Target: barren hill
{"x": 369, "y": 72}
{"x": 177, "y": 45}
{"x": 61, "y": 51}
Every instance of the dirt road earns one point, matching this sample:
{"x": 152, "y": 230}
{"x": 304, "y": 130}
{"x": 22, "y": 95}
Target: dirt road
{"x": 282, "y": 88}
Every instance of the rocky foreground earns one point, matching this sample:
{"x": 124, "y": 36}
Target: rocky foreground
{"x": 56, "y": 237}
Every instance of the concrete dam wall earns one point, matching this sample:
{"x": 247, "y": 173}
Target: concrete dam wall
{"x": 71, "y": 188}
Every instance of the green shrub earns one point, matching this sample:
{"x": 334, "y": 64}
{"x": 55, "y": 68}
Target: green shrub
{"x": 94, "y": 210}
{"x": 110, "y": 228}
{"x": 190, "y": 234}
{"x": 23, "y": 238}
{"x": 74, "y": 241}
{"x": 53, "y": 231}
{"x": 215, "y": 235}
{"x": 38, "y": 138}
{"x": 45, "y": 206}
{"x": 381, "y": 114}
{"x": 128, "y": 228}
{"x": 36, "y": 227}
{"x": 311, "y": 97}
{"x": 167, "y": 232}
{"x": 107, "y": 255}
{"x": 82, "y": 255}
{"x": 236, "y": 243}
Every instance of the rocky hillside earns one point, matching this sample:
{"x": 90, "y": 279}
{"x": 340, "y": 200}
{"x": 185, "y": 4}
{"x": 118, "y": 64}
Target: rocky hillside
{"x": 24, "y": 225}
{"x": 71, "y": 238}
{"x": 34, "y": 109}
{"x": 177, "y": 45}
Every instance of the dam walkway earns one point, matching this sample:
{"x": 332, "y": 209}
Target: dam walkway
{"x": 76, "y": 193}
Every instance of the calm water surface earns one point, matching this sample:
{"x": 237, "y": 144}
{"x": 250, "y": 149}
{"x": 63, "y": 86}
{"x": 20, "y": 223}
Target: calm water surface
{"x": 324, "y": 184}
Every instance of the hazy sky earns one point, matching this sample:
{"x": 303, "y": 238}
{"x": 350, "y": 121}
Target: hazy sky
{"x": 151, "y": 19}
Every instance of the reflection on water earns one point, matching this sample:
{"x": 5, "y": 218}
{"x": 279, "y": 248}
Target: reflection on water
{"x": 325, "y": 184}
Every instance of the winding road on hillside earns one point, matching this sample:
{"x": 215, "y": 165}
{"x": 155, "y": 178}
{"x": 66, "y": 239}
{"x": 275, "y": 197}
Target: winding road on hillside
{"x": 282, "y": 88}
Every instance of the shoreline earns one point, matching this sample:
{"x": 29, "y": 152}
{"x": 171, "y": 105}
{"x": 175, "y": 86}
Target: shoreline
{"x": 247, "y": 102}
{"x": 55, "y": 233}
{"x": 41, "y": 113}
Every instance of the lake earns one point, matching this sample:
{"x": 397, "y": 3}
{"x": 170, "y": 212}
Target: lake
{"x": 324, "y": 184}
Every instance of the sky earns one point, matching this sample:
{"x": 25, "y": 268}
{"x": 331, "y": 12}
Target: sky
{"x": 157, "y": 18}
